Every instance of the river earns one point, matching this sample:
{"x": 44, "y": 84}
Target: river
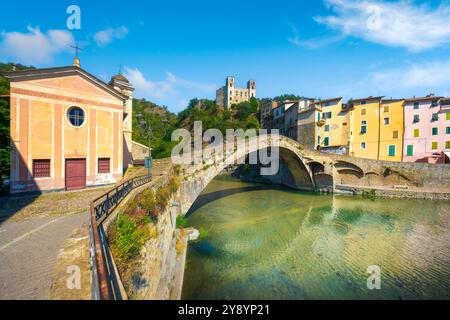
{"x": 283, "y": 244}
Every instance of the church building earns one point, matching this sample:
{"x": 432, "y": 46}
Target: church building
{"x": 69, "y": 129}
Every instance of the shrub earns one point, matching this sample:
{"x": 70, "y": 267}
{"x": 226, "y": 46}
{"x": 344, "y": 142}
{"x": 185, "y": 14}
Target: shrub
{"x": 162, "y": 197}
{"x": 182, "y": 222}
{"x": 146, "y": 200}
{"x": 127, "y": 238}
{"x": 203, "y": 234}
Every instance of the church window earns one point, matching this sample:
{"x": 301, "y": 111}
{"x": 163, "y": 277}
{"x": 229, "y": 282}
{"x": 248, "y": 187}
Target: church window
{"x": 41, "y": 168}
{"x": 76, "y": 116}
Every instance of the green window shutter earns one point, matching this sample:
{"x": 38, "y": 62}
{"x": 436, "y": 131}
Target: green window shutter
{"x": 435, "y": 131}
{"x": 391, "y": 151}
{"x": 410, "y": 151}
{"x": 447, "y": 116}
{"x": 416, "y": 133}
{"x": 447, "y": 144}
{"x": 447, "y": 130}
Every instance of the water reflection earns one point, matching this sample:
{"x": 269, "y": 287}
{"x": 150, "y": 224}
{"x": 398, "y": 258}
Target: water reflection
{"x": 282, "y": 244}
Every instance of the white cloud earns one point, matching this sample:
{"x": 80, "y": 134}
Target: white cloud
{"x": 310, "y": 43}
{"x": 165, "y": 88}
{"x": 394, "y": 23}
{"x": 35, "y": 47}
{"x": 428, "y": 75}
{"x": 105, "y": 37}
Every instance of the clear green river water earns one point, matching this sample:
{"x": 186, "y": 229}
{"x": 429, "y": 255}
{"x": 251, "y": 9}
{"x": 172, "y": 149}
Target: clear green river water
{"x": 282, "y": 244}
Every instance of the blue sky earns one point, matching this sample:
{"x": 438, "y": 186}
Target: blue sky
{"x": 173, "y": 51}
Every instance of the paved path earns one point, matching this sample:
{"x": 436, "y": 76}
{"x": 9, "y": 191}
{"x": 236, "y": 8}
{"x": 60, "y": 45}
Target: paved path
{"x": 28, "y": 252}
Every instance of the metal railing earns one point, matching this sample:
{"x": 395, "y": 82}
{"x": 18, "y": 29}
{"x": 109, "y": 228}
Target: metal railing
{"x": 100, "y": 208}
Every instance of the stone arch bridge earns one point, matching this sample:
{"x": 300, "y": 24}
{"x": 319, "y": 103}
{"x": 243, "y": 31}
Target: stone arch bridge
{"x": 311, "y": 170}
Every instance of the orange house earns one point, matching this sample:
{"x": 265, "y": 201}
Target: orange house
{"x": 69, "y": 130}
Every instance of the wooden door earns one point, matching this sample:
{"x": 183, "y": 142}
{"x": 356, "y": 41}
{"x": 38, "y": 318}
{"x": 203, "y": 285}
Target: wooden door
{"x": 75, "y": 174}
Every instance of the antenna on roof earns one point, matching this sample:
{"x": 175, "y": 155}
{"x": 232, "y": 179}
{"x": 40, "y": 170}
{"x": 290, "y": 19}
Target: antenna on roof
{"x": 76, "y": 60}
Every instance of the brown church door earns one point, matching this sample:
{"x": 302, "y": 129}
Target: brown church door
{"x": 75, "y": 174}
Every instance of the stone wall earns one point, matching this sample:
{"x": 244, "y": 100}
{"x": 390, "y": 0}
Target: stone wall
{"x": 139, "y": 152}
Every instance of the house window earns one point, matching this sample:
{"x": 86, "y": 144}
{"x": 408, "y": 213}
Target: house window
{"x": 386, "y": 121}
{"x": 363, "y": 146}
{"x": 363, "y": 102}
{"x": 327, "y": 115}
{"x": 416, "y": 118}
{"x": 363, "y": 127}
{"x": 416, "y": 105}
{"x": 395, "y": 135}
{"x": 76, "y": 116}
{"x": 318, "y": 140}
{"x": 104, "y": 165}
{"x": 410, "y": 151}
{"x": 386, "y": 109}
{"x": 434, "y": 145}
{"x": 447, "y": 144}
{"x": 326, "y": 142}
{"x": 416, "y": 133}
{"x": 363, "y": 112}
{"x": 447, "y": 130}
{"x": 327, "y": 128}
{"x": 435, "y": 117}
{"x": 391, "y": 151}
{"x": 435, "y": 131}
{"x": 447, "y": 116}
{"x": 344, "y": 124}
{"x": 41, "y": 168}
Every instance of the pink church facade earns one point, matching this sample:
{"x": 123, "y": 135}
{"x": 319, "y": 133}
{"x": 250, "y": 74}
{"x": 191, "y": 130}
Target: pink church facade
{"x": 427, "y": 130}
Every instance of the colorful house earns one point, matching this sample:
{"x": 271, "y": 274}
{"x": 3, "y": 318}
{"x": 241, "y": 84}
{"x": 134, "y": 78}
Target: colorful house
{"x": 69, "y": 130}
{"x": 333, "y": 126}
{"x": 391, "y": 130}
{"x": 427, "y": 129}
{"x": 365, "y": 127}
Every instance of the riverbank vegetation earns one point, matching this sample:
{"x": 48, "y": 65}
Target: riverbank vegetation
{"x": 137, "y": 224}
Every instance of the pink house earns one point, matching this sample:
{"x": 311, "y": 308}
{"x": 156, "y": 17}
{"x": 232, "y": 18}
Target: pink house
{"x": 427, "y": 130}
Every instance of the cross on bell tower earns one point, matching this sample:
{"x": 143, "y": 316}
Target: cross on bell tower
{"x": 76, "y": 60}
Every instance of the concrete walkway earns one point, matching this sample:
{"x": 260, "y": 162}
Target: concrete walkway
{"x": 28, "y": 253}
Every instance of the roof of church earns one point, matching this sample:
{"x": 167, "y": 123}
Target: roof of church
{"x": 15, "y": 76}
{"x": 120, "y": 77}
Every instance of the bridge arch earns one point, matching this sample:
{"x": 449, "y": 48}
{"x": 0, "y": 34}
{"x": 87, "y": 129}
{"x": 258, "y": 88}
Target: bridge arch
{"x": 293, "y": 172}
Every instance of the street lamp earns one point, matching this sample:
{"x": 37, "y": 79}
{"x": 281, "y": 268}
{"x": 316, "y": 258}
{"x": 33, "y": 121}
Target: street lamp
{"x": 148, "y": 133}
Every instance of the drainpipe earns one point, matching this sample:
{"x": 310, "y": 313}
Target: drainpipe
{"x": 379, "y": 129}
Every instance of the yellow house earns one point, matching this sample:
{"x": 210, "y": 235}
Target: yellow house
{"x": 365, "y": 127}
{"x": 333, "y": 126}
{"x": 391, "y": 130}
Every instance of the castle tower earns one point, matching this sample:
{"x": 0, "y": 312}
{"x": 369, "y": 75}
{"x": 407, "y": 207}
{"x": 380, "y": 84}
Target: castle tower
{"x": 121, "y": 84}
{"x": 251, "y": 86}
